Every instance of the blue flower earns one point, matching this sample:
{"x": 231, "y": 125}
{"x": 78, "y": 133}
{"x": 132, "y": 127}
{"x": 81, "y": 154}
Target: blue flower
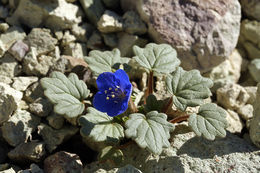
{"x": 114, "y": 92}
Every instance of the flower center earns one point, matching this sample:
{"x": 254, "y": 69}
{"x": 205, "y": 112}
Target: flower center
{"x": 115, "y": 94}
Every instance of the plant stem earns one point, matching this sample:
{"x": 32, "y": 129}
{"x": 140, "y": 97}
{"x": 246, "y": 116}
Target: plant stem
{"x": 179, "y": 119}
{"x": 149, "y": 89}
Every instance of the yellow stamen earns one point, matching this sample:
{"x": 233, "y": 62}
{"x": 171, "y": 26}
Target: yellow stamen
{"x": 110, "y": 88}
{"x": 105, "y": 91}
{"x": 113, "y": 96}
{"x": 118, "y": 86}
{"x": 116, "y": 89}
{"x": 107, "y": 98}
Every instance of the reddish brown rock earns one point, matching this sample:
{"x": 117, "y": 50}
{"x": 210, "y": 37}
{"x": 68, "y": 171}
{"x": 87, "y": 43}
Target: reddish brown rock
{"x": 204, "y": 33}
{"x": 63, "y": 162}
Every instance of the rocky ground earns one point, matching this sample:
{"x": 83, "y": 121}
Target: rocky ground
{"x": 219, "y": 38}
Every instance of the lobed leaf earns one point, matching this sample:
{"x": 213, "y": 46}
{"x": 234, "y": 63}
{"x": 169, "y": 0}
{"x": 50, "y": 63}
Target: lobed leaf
{"x": 100, "y": 62}
{"x": 188, "y": 88}
{"x": 151, "y": 131}
{"x": 209, "y": 122}
{"x": 161, "y": 58}
{"x": 99, "y": 127}
{"x": 65, "y": 93}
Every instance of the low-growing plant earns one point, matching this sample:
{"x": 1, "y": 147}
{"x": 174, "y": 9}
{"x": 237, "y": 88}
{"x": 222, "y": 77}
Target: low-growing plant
{"x": 114, "y": 117}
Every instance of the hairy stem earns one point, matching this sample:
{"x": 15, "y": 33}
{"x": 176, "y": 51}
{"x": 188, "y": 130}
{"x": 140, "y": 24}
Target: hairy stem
{"x": 179, "y": 119}
{"x": 149, "y": 89}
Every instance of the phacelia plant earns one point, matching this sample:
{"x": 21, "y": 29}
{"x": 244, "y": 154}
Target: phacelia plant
{"x": 114, "y": 117}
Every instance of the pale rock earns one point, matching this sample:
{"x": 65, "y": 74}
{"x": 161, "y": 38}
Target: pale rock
{"x": 229, "y": 69}
{"x": 58, "y": 35}
{"x": 127, "y": 41}
{"x": 61, "y": 65}
{"x": 254, "y": 69}
{"x": 249, "y": 38}
{"x": 10, "y": 37}
{"x": 3, "y": 28}
{"x": 42, "y": 40}
{"x": 52, "y": 138}
{"x": 235, "y": 124}
{"x": 9, "y": 67}
{"x": 82, "y": 32}
{"x": 133, "y": 24}
{"x": 19, "y": 49}
{"x": 95, "y": 41}
{"x": 53, "y": 14}
{"x": 55, "y": 121}
{"x": 21, "y": 83}
{"x": 41, "y": 107}
{"x": 23, "y": 105}
{"x": 19, "y": 128}
{"x": 6, "y": 89}
{"x": 93, "y": 9}
{"x": 34, "y": 92}
{"x": 7, "y": 107}
{"x": 110, "y": 40}
{"x": 251, "y": 90}
{"x": 110, "y": 22}
{"x": 5, "y": 79}
{"x": 28, "y": 152}
{"x": 63, "y": 162}
{"x": 10, "y": 170}
{"x": 246, "y": 111}
{"x": 126, "y": 169}
{"x": 76, "y": 50}
{"x": 232, "y": 96}
{"x": 203, "y": 34}
{"x": 37, "y": 65}
{"x": 251, "y": 8}
{"x": 67, "y": 38}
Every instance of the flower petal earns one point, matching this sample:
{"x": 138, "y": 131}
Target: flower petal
{"x": 122, "y": 77}
{"x": 106, "y": 80}
{"x": 100, "y": 102}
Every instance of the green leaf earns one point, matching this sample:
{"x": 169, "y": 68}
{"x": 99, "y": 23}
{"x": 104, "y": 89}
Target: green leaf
{"x": 161, "y": 58}
{"x": 152, "y": 104}
{"x": 65, "y": 93}
{"x": 100, "y": 62}
{"x": 99, "y": 127}
{"x": 209, "y": 122}
{"x": 151, "y": 131}
{"x": 188, "y": 88}
{"x": 111, "y": 153}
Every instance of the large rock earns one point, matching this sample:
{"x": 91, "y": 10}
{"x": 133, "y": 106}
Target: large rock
{"x": 62, "y": 162}
{"x": 110, "y": 22}
{"x": 21, "y": 83}
{"x": 28, "y": 152}
{"x": 203, "y": 33}
{"x": 255, "y": 123}
{"x": 254, "y": 69}
{"x": 6, "y": 89}
{"x": 249, "y": 38}
{"x": 12, "y": 35}
{"x": 19, "y": 128}
{"x": 57, "y": 14}
{"x": 251, "y": 8}
{"x": 19, "y": 49}
{"x": 235, "y": 124}
{"x": 189, "y": 153}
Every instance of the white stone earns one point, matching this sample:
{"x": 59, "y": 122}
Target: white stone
{"x": 234, "y": 121}
{"x": 246, "y": 111}
{"x": 6, "y": 89}
{"x": 110, "y": 22}
{"x": 75, "y": 50}
{"x": 232, "y": 96}
{"x": 21, "y": 83}
{"x": 251, "y": 90}
{"x": 19, "y": 49}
